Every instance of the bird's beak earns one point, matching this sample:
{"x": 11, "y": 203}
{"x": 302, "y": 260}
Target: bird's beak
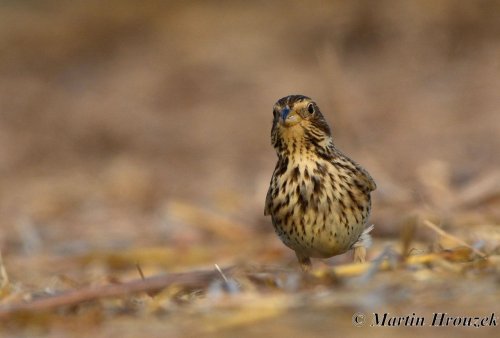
{"x": 288, "y": 117}
{"x": 284, "y": 113}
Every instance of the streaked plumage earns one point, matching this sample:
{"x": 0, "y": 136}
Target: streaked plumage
{"x": 318, "y": 198}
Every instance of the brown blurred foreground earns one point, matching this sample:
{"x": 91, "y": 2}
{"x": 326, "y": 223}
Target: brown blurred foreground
{"x": 135, "y": 156}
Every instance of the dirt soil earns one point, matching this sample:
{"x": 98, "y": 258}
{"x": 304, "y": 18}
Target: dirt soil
{"x": 135, "y": 144}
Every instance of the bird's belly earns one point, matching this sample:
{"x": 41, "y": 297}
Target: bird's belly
{"x": 323, "y": 232}
{"x": 318, "y": 214}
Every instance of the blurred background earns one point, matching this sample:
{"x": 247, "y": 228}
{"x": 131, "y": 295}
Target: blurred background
{"x": 144, "y": 126}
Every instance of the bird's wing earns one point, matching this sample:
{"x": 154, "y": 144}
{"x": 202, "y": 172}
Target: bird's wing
{"x": 267, "y": 207}
{"x": 367, "y": 179}
{"x": 361, "y": 175}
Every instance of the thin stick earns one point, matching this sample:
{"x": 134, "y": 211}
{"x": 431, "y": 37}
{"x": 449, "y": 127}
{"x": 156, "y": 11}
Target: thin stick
{"x": 217, "y": 267}
{"x": 196, "y": 279}
{"x": 4, "y": 278}
{"x": 139, "y": 269}
{"x": 443, "y": 233}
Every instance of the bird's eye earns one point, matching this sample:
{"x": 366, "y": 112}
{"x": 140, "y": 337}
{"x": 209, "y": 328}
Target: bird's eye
{"x": 310, "y": 108}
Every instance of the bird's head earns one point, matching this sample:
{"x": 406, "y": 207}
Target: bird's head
{"x": 297, "y": 119}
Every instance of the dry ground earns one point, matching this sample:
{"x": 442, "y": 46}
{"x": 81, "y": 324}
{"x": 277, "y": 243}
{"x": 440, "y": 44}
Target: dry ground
{"x": 136, "y": 134}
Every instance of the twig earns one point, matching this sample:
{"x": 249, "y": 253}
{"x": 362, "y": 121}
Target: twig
{"x": 209, "y": 221}
{"x": 358, "y": 269}
{"x": 4, "y": 278}
{"x": 5, "y": 287}
{"x": 196, "y": 279}
{"x": 217, "y": 267}
{"x": 139, "y": 269}
{"x": 443, "y": 233}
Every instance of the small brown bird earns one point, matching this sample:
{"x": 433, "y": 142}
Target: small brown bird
{"x": 318, "y": 198}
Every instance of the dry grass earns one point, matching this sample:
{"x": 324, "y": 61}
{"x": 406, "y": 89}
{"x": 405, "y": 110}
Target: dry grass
{"x": 135, "y": 156}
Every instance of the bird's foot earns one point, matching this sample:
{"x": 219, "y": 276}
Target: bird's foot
{"x": 305, "y": 262}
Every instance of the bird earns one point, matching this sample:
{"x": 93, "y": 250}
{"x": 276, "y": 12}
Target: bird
{"x": 318, "y": 198}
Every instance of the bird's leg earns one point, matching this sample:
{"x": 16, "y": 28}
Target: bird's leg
{"x": 304, "y": 261}
{"x": 361, "y": 244}
{"x": 359, "y": 254}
